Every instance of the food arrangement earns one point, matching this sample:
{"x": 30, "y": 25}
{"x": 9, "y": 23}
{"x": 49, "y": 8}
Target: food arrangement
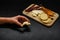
{"x": 41, "y": 14}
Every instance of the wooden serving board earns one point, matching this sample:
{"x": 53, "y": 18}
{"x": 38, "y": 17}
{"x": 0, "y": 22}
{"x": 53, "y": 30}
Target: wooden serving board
{"x": 37, "y": 19}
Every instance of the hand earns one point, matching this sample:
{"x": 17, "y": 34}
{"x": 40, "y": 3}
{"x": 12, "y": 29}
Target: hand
{"x": 19, "y": 20}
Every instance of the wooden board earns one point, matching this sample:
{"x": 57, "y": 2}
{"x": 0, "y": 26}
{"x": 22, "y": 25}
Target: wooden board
{"x": 36, "y": 18}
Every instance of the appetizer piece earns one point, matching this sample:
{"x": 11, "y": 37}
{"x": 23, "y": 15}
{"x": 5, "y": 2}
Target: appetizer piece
{"x": 26, "y": 23}
{"x": 32, "y": 7}
{"x": 43, "y": 16}
{"x": 47, "y": 21}
{"x": 49, "y": 12}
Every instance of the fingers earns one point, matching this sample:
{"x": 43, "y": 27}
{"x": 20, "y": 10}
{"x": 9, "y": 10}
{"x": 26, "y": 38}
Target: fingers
{"x": 18, "y": 23}
{"x": 20, "y": 19}
{"x": 24, "y": 18}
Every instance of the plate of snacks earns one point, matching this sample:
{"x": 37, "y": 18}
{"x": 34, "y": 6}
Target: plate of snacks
{"x": 41, "y": 14}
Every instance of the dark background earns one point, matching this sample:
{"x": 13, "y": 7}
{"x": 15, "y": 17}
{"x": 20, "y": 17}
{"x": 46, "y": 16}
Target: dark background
{"x": 9, "y": 8}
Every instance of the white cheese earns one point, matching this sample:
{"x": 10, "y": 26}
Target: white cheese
{"x": 26, "y": 23}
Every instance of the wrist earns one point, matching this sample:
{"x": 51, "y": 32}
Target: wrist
{"x": 9, "y": 20}
{"x": 4, "y": 20}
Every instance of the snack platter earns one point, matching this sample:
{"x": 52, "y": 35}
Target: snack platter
{"x": 41, "y": 14}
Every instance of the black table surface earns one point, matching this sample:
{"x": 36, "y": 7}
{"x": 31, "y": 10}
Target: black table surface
{"x": 37, "y": 31}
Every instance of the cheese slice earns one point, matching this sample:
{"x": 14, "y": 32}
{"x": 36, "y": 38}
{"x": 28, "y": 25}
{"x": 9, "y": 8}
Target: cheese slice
{"x": 43, "y": 16}
{"x": 47, "y": 21}
{"x": 33, "y": 14}
{"x": 37, "y": 11}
